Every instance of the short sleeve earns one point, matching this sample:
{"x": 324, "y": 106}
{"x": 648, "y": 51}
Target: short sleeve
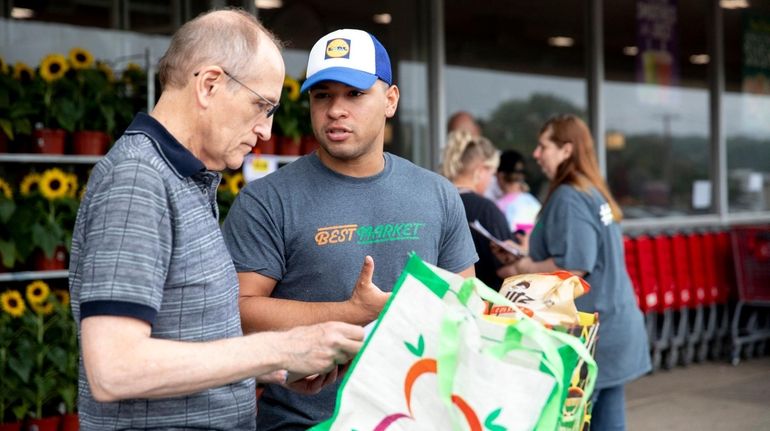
{"x": 456, "y": 251}
{"x": 128, "y": 242}
{"x": 253, "y": 231}
{"x": 571, "y": 237}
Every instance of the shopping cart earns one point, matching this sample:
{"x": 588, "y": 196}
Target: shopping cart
{"x": 750, "y": 327}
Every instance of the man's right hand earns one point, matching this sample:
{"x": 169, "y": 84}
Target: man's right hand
{"x": 318, "y": 349}
{"x": 367, "y": 298}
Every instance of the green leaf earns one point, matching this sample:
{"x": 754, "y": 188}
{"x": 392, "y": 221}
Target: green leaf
{"x": 7, "y": 208}
{"x": 22, "y": 367}
{"x": 8, "y": 253}
{"x": 45, "y": 239}
{"x": 416, "y": 350}
{"x": 490, "y": 424}
{"x": 7, "y": 127}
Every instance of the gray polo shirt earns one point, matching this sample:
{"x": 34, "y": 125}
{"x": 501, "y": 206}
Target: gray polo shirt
{"x": 147, "y": 245}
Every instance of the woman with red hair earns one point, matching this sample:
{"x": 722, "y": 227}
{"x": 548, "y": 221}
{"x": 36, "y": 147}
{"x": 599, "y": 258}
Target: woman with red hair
{"x": 578, "y": 230}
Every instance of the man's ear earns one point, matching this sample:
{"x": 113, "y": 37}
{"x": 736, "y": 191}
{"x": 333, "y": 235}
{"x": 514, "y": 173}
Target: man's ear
{"x": 208, "y": 81}
{"x": 391, "y": 101}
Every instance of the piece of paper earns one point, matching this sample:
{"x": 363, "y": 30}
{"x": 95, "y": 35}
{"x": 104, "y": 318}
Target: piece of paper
{"x": 476, "y": 225}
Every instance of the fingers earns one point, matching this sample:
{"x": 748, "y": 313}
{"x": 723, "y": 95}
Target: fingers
{"x": 367, "y": 272}
{"x": 278, "y": 377}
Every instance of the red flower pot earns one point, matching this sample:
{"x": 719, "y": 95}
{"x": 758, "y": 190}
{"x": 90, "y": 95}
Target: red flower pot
{"x": 290, "y": 146}
{"x": 309, "y": 144}
{"x": 10, "y": 426}
{"x": 49, "y": 141}
{"x": 90, "y": 142}
{"x": 266, "y": 147}
{"x": 55, "y": 263}
{"x": 70, "y": 422}
{"x": 43, "y": 424}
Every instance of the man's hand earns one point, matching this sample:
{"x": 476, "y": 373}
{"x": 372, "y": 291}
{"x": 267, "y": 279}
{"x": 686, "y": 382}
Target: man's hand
{"x": 310, "y": 385}
{"x": 318, "y": 349}
{"x": 367, "y": 297}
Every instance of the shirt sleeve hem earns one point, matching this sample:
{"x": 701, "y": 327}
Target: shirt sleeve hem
{"x": 118, "y": 308}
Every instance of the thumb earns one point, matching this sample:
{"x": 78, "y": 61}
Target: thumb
{"x": 367, "y": 271}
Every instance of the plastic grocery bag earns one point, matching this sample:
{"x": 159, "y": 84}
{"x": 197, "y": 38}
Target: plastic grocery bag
{"x": 435, "y": 362}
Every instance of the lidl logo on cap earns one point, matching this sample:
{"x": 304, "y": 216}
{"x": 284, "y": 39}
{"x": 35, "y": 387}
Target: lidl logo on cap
{"x": 338, "y": 48}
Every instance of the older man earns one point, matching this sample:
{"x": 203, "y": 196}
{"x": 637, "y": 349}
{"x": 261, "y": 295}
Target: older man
{"x": 154, "y": 290}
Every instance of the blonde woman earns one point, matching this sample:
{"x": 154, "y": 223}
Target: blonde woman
{"x": 470, "y": 163}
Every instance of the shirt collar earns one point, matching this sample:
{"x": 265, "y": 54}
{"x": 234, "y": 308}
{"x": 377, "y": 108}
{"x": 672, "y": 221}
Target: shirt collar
{"x": 179, "y": 159}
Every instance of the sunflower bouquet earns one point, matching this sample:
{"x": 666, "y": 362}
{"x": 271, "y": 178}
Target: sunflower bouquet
{"x": 44, "y": 214}
{"x": 98, "y": 103}
{"x": 38, "y": 353}
{"x": 292, "y": 120}
{"x": 228, "y": 189}
{"x": 52, "y": 92}
{"x": 15, "y": 106}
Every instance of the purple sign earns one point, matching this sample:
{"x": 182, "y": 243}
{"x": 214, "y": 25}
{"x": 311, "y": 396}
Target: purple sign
{"x": 657, "y": 39}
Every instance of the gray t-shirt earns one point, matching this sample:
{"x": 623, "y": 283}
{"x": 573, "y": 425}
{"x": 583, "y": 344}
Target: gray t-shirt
{"x": 309, "y": 228}
{"x": 577, "y": 230}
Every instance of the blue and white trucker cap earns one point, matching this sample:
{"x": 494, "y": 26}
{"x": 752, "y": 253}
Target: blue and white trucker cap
{"x": 352, "y": 57}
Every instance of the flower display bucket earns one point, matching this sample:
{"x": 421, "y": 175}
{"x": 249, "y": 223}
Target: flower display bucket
{"x": 70, "y": 422}
{"x": 309, "y": 144}
{"x": 266, "y": 147}
{"x": 11, "y": 426}
{"x": 55, "y": 263}
{"x": 290, "y": 146}
{"x": 43, "y": 424}
{"x": 90, "y": 142}
{"x": 49, "y": 141}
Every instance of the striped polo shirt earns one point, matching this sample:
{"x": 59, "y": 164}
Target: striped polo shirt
{"x": 147, "y": 245}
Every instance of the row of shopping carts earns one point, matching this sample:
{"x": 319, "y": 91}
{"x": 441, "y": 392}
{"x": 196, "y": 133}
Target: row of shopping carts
{"x": 704, "y": 294}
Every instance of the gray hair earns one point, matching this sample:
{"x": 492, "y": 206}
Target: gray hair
{"x": 228, "y": 38}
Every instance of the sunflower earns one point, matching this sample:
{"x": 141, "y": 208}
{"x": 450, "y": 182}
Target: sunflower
{"x": 62, "y": 296}
{"x": 224, "y": 184}
{"x": 45, "y": 308}
{"x": 53, "y": 67}
{"x": 81, "y": 58}
{"x": 22, "y": 72}
{"x": 72, "y": 185}
{"x": 292, "y": 88}
{"x": 53, "y": 184}
{"x": 106, "y": 70}
{"x": 3, "y": 66}
{"x": 12, "y": 303}
{"x": 37, "y": 292}
{"x": 133, "y": 67}
{"x": 30, "y": 184}
{"x": 236, "y": 183}
{"x": 5, "y": 189}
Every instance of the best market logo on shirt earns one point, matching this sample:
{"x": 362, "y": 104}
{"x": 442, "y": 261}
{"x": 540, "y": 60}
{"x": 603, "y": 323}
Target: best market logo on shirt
{"x": 370, "y": 234}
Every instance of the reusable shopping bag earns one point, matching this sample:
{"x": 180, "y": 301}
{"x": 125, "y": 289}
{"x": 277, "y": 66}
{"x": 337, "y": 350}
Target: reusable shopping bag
{"x": 434, "y": 361}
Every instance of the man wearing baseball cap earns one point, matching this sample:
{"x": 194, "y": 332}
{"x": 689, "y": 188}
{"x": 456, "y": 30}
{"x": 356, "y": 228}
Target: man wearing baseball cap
{"x": 299, "y": 236}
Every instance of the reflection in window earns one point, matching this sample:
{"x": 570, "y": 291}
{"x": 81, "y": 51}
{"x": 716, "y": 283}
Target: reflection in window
{"x": 747, "y": 106}
{"x": 656, "y": 107}
{"x": 513, "y": 65}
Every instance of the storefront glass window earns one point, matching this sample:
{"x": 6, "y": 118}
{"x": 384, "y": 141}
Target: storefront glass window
{"x": 656, "y": 106}
{"x": 747, "y": 106}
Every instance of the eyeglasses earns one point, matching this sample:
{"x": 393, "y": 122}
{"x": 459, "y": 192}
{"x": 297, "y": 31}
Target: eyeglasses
{"x": 269, "y": 111}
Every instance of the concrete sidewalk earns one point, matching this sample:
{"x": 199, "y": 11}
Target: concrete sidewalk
{"x": 707, "y": 396}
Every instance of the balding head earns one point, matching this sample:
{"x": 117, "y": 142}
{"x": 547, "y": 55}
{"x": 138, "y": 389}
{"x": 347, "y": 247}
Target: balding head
{"x": 463, "y": 121}
{"x": 227, "y": 38}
